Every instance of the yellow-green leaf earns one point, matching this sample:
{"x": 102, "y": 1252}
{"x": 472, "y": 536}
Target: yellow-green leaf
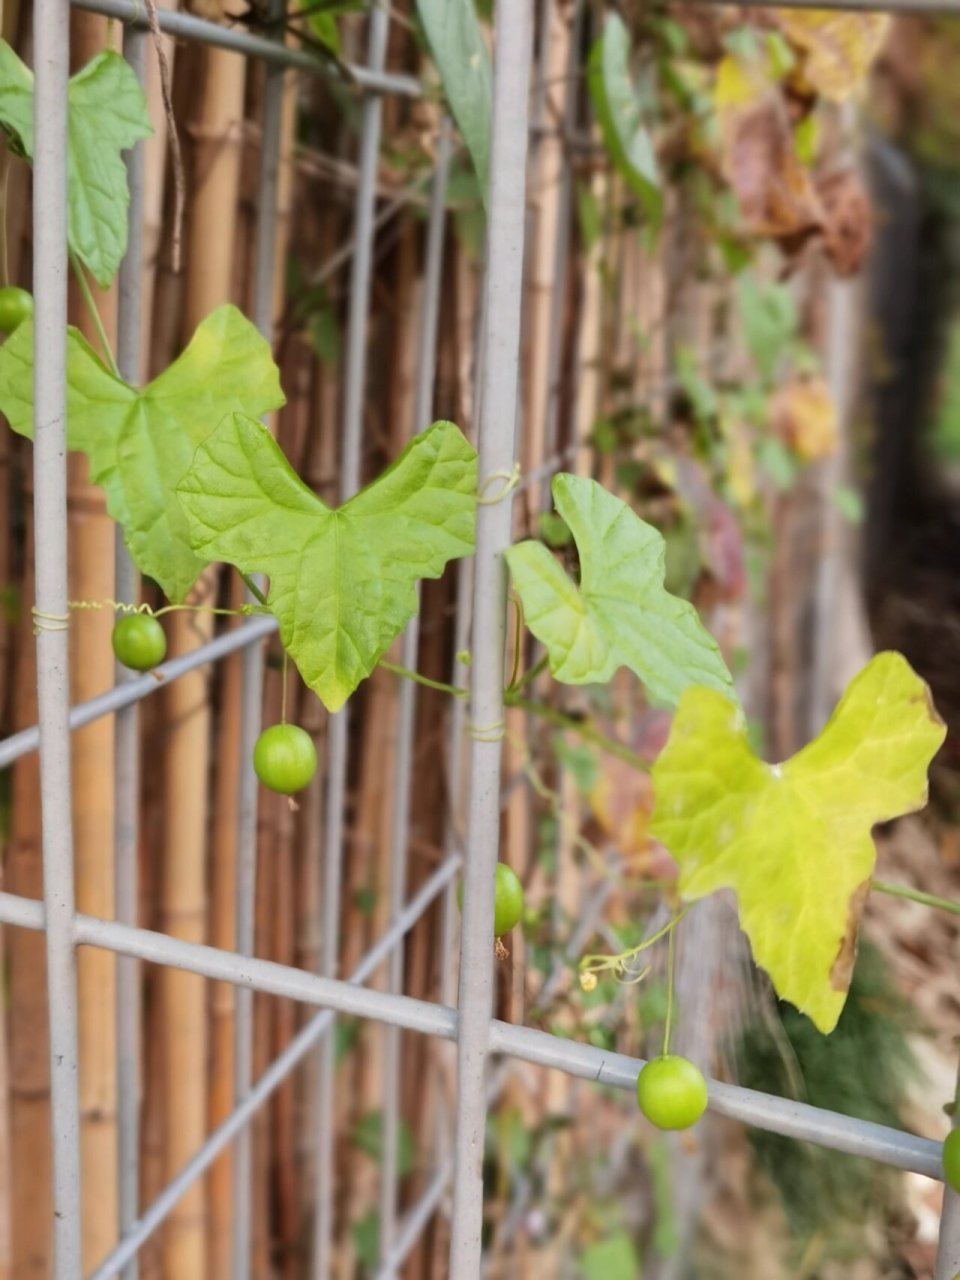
{"x": 342, "y": 581}
{"x": 141, "y": 441}
{"x": 794, "y": 840}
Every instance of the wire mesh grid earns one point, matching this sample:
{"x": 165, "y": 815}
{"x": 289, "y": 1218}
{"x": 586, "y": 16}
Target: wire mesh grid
{"x": 477, "y": 1034}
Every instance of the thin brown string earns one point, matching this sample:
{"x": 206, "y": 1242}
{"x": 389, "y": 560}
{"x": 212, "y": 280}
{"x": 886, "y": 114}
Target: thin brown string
{"x": 179, "y": 181}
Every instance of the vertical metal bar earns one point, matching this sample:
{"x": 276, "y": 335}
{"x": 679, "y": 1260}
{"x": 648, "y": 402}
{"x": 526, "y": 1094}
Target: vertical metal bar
{"x": 948, "y": 1249}
{"x": 126, "y": 765}
{"x": 501, "y": 323}
{"x": 51, "y": 65}
{"x": 355, "y": 375}
{"x": 400, "y": 829}
{"x": 251, "y": 695}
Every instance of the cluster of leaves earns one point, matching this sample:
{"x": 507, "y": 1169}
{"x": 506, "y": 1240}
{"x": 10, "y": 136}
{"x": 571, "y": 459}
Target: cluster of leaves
{"x": 193, "y": 478}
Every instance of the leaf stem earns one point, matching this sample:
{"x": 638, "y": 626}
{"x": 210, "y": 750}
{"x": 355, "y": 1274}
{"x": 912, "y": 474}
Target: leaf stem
{"x": 668, "y": 1020}
{"x": 580, "y": 727}
{"x": 916, "y": 895}
{"x": 529, "y": 676}
{"x": 417, "y": 678}
{"x": 94, "y": 314}
{"x": 517, "y": 640}
{"x": 253, "y": 588}
{"x": 4, "y": 190}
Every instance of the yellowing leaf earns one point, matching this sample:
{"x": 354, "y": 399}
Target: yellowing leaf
{"x": 838, "y": 47}
{"x": 621, "y": 800}
{"x": 805, "y": 418}
{"x": 794, "y": 840}
{"x": 741, "y": 469}
{"x": 739, "y": 82}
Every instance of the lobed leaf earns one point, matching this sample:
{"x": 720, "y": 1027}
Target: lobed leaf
{"x": 793, "y": 840}
{"x": 620, "y": 615}
{"x": 342, "y": 581}
{"x": 140, "y": 443}
{"x": 107, "y": 113}
{"x": 463, "y": 61}
{"x": 620, "y": 114}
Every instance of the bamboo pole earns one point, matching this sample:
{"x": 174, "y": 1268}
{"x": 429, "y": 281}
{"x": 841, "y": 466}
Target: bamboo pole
{"x": 187, "y": 750}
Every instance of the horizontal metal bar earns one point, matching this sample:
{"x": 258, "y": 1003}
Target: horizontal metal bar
{"x": 764, "y": 1111}
{"x": 849, "y": 6}
{"x": 124, "y": 695}
{"x": 761, "y": 1110}
{"x": 272, "y": 1078}
{"x": 184, "y": 26}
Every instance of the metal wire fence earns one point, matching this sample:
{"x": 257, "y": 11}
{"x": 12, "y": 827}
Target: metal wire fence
{"x": 478, "y": 1036}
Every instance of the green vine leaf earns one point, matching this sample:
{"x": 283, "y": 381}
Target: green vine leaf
{"x": 342, "y": 581}
{"x": 794, "y": 840}
{"x": 458, "y": 48}
{"x": 620, "y": 615}
{"x": 620, "y": 114}
{"x": 140, "y": 443}
{"x": 107, "y": 113}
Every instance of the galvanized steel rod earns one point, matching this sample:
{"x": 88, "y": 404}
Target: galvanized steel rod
{"x": 496, "y": 444}
{"x": 415, "y": 1221}
{"x": 126, "y": 742}
{"x": 251, "y": 695}
{"x": 948, "y": 1247}
{"x": 183, "y": 26}
{"x": 424, "y": 1208}
{"x": 764, "y": 1111}
{"x": 406, "y": 710}
{"x": 131, "y": 691}
{"x": 273, "y": 1077}
{"x": 51, "y": 70}
{"x": 355, "y": 364}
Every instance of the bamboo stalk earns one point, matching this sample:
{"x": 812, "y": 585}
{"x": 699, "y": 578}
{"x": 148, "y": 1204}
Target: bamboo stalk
{"x": 31, "y": 1205}
{"x": 187, "y": 753}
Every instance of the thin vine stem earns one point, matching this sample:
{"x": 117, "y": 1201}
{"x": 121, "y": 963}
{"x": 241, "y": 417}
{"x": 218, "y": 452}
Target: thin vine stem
{"x": 91, "y": 305}
{"x": 916, "y": 895}
{"x": 284, "y": 670}
{"x": 601, "y": 963}
{"x": 529, "y": 676}
{"x": 4, "y": 189}
{"x": 119, "y": 606}
{"x": 517, "y": 641}
{"x": 580, "y": 727}
{"x": 417, "y": 678}
{"x": 671, "y": 955}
